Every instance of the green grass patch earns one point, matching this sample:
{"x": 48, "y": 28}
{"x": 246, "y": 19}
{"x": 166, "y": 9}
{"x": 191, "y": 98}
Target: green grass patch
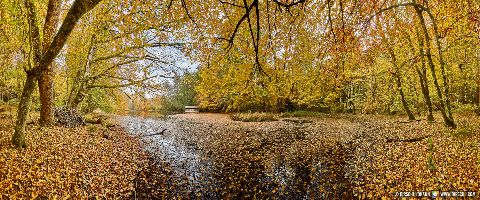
{"x": 430, "y": 162}
{"x": 467, "y": 109}
{"x": 463, "y": 131}
{"x": 300, "y": 113}
{"x": 93, "y": 128}
{"x": 254, "y": 117}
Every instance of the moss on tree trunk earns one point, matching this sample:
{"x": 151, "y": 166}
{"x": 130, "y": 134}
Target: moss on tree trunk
{"x": 18, "y": 138}
{"x": 444, "y": 105}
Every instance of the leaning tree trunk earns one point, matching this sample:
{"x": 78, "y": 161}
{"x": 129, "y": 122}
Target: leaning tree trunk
{"x": 442, "y": 67}
{"x": 79, "y": 86}
{"x": 402, "y": 97}
{"x": 448, "y": 120}
{"x": 19, "y": 136}
{"x": 422, "y": 73}
{"x": 45, "y": 81}
{"x": 423, "y": 78}
{"x": 426, "y": 93}
{"x": 399, "y": 84}
{"x": 75, "y": 100}
{"x": 77, "y": 92}
{"x": 71, "y": 96}
{"x": 41, "y": 61}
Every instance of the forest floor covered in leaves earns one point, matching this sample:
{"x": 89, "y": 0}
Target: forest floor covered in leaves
{"x": 69, "y": 163}
{"x": 323, "y": 157}
{"x": 209, "y": 156}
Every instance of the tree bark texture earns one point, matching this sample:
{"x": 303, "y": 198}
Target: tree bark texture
{"x": 19, "y": 136}
{"x": 41, "y": 61}
{"x": 448, "y": 120}
{"x": 45, "y": 81}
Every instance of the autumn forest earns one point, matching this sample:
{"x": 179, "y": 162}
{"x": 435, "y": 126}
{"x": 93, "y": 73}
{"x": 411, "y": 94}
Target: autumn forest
{"x": 239, "y": 99}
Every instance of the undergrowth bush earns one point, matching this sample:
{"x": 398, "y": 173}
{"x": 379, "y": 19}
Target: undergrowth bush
{"x": 463, "y": 131}
{"x": 300, "y": 113}
{"x": 430, "y": 162}
{"x": 467, "y": 109}
{"x": 95, "y": 128}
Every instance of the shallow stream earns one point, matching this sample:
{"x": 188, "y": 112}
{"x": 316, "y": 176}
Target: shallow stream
{"x": 221, "y": 174}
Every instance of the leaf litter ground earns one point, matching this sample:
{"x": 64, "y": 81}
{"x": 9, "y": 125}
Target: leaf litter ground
{"x": 330, "y": 157}
{"x": 208, "y": 156}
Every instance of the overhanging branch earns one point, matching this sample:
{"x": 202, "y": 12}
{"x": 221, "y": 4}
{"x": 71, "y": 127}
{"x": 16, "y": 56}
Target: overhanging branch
{"x": 413, "y": 4}
{"x": 130, "y": 83}
{"x": 288, "y": 5}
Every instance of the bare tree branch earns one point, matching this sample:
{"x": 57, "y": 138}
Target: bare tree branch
{"x": 419, "y": 6}
{"x": 232, "y": 4}
{"x": 288, "y": 5}
{"x": 239, "y": 23}
{"x": 130, "y": 83}
{"x": 78, "y": 9}
{"x": 184, "y": 5}
{"x": 96, "y": 76}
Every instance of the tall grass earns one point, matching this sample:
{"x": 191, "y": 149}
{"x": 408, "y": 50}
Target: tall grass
{"x": 301, "y": 113}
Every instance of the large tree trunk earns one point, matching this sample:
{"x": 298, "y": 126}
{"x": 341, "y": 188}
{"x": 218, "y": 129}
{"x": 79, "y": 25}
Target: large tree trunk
{"x": 76, "y": 97}
{"x": 79, "y": 86}
{"x": 45, "y": 87}
{"x": 45, "y": 81}
{"x": 443, "y": 108}
{"x": 42, "y": 61}
{"x": 19, "y": 136}
{"x": 423, "y": 78}
{"x": 34, "y": 57}
{"x": 442, "y": 68}
{"x": 402, "y": 97}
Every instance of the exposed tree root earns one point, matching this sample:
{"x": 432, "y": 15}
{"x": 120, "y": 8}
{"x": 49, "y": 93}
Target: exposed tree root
{"x": 408, "y": 139}
{"x": 159, "y": 133}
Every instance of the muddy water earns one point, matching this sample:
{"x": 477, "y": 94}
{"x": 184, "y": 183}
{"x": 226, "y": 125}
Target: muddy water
{"x": 198, "y": 152}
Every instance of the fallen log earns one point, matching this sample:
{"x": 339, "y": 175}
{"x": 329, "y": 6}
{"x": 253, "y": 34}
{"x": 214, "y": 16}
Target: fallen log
{"x": 409, "y": 121}
{"x": 159, "y": 133}
{"x": 114, "y": 128}
{"x": 92, "y": 121}
{"x": 96, "y": 120}
{"x": 407, "y": 139}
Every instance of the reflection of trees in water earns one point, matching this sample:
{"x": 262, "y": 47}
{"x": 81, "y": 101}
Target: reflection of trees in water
{"x": 192, "y": 169}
